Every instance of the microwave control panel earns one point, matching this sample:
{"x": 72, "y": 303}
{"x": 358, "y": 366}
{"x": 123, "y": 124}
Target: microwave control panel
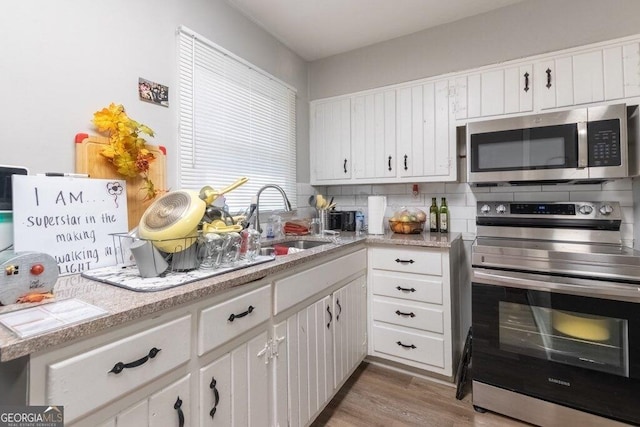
{"x": 604, "y": 143}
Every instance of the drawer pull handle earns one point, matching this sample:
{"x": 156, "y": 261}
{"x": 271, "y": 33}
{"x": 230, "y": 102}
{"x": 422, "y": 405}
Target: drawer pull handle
{"x": 178, "y": 407}
{"x": 238, "y": 316}
{"x": 400, "y": 313}
{"x": 404, "y": 261}
{"x": 121, "y": 366}
{"x": 389, "y": 162}
{"x": 340, "y": 307}
{"x": 345, "y": 166}
{"x": 330, "y": 317}
{"x": 400, "y": 288}
{"x": 405, "y": 162}
{"x": 216, "y": 396}
{"x": 405, "y": 346}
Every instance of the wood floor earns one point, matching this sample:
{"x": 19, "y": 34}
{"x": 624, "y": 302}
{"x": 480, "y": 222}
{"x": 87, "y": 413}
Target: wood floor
{"x": 377, "y": 396}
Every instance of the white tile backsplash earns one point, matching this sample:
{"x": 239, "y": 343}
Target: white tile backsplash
{"x": 462, "y": 198}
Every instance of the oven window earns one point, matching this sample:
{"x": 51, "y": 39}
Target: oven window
{"x": 550, "y": 147}
{"x": 588, "y": 341}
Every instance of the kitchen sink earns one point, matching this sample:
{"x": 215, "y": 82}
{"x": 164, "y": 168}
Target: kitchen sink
{"x": 301, "y": 244}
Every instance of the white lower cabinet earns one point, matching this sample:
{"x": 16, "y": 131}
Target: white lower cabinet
{"x": 325, "y": 342}
{"x": 413, "y": 318}
{"x": 268, "y": 353}
{"x": 234, "y": 389}
{"x": 349, "y": 328}
{"x": 168, "y": 407}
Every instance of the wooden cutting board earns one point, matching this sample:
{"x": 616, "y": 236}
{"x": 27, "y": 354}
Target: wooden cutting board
{"x": 89, "y": 160}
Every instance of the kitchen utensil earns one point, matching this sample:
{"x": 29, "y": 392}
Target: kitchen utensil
{"x": 148, "y": 259}
{"x": 90, "y": 161}
{"x": 171, "y": 222}
{"x": 209, "y": 195}
{"x": 320, "y": 202}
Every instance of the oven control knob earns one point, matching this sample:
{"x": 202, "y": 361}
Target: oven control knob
{"x": 606, "y": 209}
{"x": 501, "y": 209}
{"x": 585, "y": 209}
{"x": 485, "y": 209}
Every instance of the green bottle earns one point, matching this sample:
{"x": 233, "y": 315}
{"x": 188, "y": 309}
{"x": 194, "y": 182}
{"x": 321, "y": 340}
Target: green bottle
{"x": 433, "y": 216}
{"x": 444, "y": 216}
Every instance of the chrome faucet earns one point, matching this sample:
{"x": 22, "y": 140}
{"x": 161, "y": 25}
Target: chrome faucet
{"x": 287, "y": 204}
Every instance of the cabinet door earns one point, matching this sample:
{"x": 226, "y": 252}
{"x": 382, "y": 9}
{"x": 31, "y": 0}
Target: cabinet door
{"x": 309, "y": 347}
{"x": 349, "y": 307}
{"x": 170, "y": 406}
{"x": 588, "y": 77}
{"x": 135, "y": 416}
{"x": 331, "y": 140}
{"x": 215, "y": 393}
{"x": 492, "y": 93}
{"x": 518, "y": 89}
{"x": 426, "y": 141}
{"x": 234, "y": 389}
{"x": 572, "y": 80}
{"x": 373, "y": 135}
{"x": 631, "y": 64}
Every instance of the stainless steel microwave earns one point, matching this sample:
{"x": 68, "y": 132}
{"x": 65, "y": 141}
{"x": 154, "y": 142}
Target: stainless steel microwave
{"x": 580, "y": 145}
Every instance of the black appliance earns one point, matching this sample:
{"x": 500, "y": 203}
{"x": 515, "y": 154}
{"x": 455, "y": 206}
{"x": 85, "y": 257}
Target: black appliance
{"x": 342, "y": 220}
{"x": 555, "y": 303}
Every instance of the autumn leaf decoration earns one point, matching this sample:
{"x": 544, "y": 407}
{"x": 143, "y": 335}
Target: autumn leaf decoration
{"x": 126, "y": 150}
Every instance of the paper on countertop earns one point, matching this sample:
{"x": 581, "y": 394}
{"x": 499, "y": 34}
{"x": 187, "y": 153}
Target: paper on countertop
{"x": 47, "y": 317}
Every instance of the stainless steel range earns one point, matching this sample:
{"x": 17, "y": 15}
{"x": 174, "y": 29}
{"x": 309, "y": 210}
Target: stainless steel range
{"x": 555, "y": 314}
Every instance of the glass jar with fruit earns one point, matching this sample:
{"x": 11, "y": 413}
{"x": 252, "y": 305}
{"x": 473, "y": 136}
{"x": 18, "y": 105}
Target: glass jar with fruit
{"x": 408, "y": 221}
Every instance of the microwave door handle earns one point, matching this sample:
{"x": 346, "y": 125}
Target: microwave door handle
{"x": 583, "y": 146}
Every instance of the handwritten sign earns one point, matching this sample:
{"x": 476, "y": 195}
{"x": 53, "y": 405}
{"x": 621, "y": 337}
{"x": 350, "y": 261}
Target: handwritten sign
{"x": 71, "y": 219}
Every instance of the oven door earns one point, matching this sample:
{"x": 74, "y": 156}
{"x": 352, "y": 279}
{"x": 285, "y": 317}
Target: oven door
{"x": 545, "y": 337}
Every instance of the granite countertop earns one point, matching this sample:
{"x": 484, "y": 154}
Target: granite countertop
{"x": 123, "y": 305}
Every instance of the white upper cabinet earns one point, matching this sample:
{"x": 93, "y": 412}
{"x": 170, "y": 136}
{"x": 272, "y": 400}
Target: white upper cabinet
{"x": 406, "y": 132}
{"x": 494, "y": 92}
{"x": 426, "y": 139}
{"x": 331, "y": 140}
{"x": 631, "y": 69}
{"x": 597, "y": 75}
{"x": 373, "y": 135}
{"x": 396, "y": 135}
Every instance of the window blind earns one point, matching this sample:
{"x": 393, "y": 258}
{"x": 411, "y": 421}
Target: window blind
{"x": 235, "y": 120}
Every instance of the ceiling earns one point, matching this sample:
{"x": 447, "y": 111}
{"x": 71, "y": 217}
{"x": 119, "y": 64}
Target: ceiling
{"x": 315, "y": 29}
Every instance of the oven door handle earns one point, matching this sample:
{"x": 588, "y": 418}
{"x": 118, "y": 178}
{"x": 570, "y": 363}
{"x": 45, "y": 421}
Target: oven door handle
{"x": 568, "y": 285}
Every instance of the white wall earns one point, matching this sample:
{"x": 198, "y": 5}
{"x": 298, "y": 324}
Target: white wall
{"x": 524, "y": 29}
{"x": 62, "y": 60}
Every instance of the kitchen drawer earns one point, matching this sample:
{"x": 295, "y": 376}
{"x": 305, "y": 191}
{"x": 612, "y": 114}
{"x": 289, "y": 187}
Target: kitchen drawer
{"x": 86, "y": 381}
{"x": 408, "y": 345}
{"x": 298, "y": 287}
{"x": 227, "y": 320}
{"x": 414, "y": 287}
{"x": 398, "y": 312}
{"x": 421, "y": 261}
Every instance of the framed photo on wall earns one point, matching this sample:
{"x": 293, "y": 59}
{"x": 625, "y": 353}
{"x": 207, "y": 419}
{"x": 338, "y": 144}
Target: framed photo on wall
{"x": 155, "y": 93}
